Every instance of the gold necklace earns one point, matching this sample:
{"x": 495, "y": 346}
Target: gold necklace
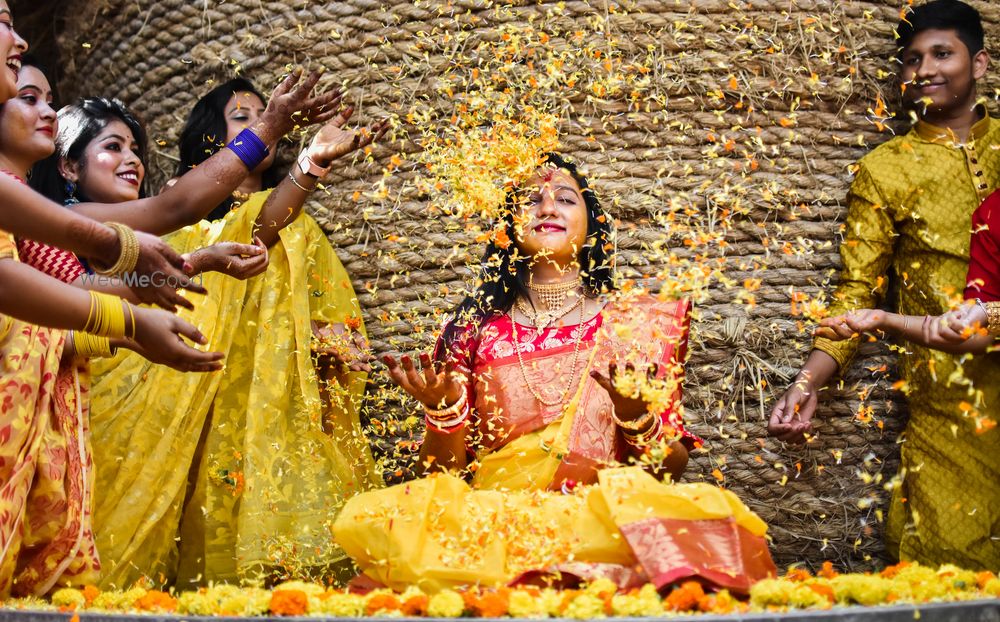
{"x": 542, "y": 319}
{"x": 572, "y": 374}
{"x": 553, "y": 295}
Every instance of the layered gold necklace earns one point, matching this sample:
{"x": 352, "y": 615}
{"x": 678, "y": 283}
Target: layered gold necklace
{"x": 554, "y": 298}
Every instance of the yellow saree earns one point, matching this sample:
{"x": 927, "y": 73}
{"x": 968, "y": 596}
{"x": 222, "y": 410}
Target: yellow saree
{"x": 45, "y": 471}
{"x": 236, "y": 462}
{"x": 512, "y": 524}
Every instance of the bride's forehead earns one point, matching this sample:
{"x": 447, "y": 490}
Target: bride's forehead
{"x": 551, "y": 177}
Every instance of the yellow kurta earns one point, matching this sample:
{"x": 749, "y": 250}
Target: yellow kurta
{"x": 237, "y": 460}
{"x": 910, "y": 208}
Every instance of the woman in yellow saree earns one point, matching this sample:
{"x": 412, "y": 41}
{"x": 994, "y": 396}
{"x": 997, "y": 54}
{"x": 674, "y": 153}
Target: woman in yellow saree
{"x": 217, "y": 477}
{"x": 534, "y": 393}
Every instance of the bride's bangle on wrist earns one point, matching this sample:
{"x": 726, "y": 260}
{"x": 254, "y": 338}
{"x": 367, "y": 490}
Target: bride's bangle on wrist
{"x": 448, "y": 419}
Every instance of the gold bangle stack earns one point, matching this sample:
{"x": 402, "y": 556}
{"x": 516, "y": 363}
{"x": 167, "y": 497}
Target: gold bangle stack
{"x": 106, "y": 317}
{"x": 92, "y": 346}
{"x": 993, "y": 318}
{"x": 129, "y": 255}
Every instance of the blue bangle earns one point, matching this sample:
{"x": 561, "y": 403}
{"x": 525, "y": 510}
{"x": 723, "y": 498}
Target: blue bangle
{"x": 250, "y": 149}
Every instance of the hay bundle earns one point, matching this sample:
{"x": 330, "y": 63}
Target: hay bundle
{"x": 751, "y": 116}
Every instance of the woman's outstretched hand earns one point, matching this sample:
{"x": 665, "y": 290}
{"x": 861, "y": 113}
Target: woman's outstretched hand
{"x": 335, "y": 344}
{"x": 627, "y": 407}
{"x": 333, "y": 141}
{"x": 436, "y": 385}
{"x": 162, "y": 268}
{"x": 240, "y": 261}
{"x": 159, "y": 335}
{"x": 292, "y": 105}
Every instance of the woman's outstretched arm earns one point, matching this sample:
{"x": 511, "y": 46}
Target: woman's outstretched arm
{"x": 201, "y": 189}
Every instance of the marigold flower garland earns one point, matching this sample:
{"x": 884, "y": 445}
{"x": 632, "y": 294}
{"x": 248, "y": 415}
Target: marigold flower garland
{"x": 904, "y": 583}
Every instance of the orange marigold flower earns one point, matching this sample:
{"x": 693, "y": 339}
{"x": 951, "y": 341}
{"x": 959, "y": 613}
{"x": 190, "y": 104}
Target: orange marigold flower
{"x": 415, "y": 605}
{"x": 353, "y": 322}
{"x": 155, "y": 600}
{"x": 823, "y": 590}
{"x": 381, "y": 602}
{"x": 90, "y": 592}
{"x": 289, "y": 603}
{"x": 827, "y": 572}
{"x": 891, "y": 571}
{"x": 984, "y": 577}
{"x": 685, "y": 597}
{"x": 490, "y": 604}
{"x": 798, "y": 574}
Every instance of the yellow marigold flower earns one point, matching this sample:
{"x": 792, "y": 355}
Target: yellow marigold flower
{"x": 992, "y": 587}
{"x": 446, "y": 604}
{"x": 69, "y": 598}
{"x": 585, "y": 606}
{"x": 225, "y": 600}
{"x": 117, "y": 600}
{"x": 861, "y": 589}
{"x": 601, "y": 587}
{"x": 525, "y": 605}
{"x": 337, "y": 604}
{"x": 645, "y": 603}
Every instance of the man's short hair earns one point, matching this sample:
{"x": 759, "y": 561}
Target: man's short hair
{"x": 943, "y": 15}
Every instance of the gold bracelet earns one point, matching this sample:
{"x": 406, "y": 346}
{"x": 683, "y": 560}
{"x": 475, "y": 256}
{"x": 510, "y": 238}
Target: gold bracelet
{"x": 106, "y": 317}
{"x": 91, "y": 346}
{"x": 635, "y": 426}
{"x": 129, "y": 255}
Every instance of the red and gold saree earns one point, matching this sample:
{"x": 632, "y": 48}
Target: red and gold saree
{"x": 521, "y": 517}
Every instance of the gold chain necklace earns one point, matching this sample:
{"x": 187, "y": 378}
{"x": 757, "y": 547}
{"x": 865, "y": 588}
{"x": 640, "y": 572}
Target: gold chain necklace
{"x": 572, "y": 374}
{"x": 542, "y": 319}
{"x": 553, "y": 295}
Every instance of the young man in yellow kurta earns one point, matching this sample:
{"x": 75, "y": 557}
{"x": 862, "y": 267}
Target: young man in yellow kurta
{"x": 910, "y": 208}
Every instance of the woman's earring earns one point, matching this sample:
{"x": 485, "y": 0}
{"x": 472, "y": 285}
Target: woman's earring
{"x": 71, "y": 193}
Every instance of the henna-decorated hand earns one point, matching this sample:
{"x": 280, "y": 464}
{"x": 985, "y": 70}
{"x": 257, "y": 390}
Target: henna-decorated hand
{"x": 240, "y": 261}
{"x": 292, "y": 105}
{"x": 165, "y": 271}
{"x": 332, "y": 141}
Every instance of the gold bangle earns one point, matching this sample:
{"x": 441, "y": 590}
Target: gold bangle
{"x": 129, "y": 255}
{"x": 91, "y": 346}
{"x": 131, "y": 314}
{"x": 454, "y": 410}
{"x": 635, "y": 426}
{"x": 107, "y": 317}
{"x": 643, "y": 439}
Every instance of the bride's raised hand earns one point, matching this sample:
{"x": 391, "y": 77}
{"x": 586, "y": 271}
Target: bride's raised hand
{"x": 627, "y": 406}
{"x": 435, "y": 384}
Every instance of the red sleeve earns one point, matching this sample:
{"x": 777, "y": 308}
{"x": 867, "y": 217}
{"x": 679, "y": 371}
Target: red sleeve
{"x": 53, "y": 261}
{"x": 983, "y": 279}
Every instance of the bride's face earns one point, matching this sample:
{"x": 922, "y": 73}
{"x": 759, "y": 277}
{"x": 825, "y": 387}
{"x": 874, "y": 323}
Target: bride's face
{"x": 552, "y": 221}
